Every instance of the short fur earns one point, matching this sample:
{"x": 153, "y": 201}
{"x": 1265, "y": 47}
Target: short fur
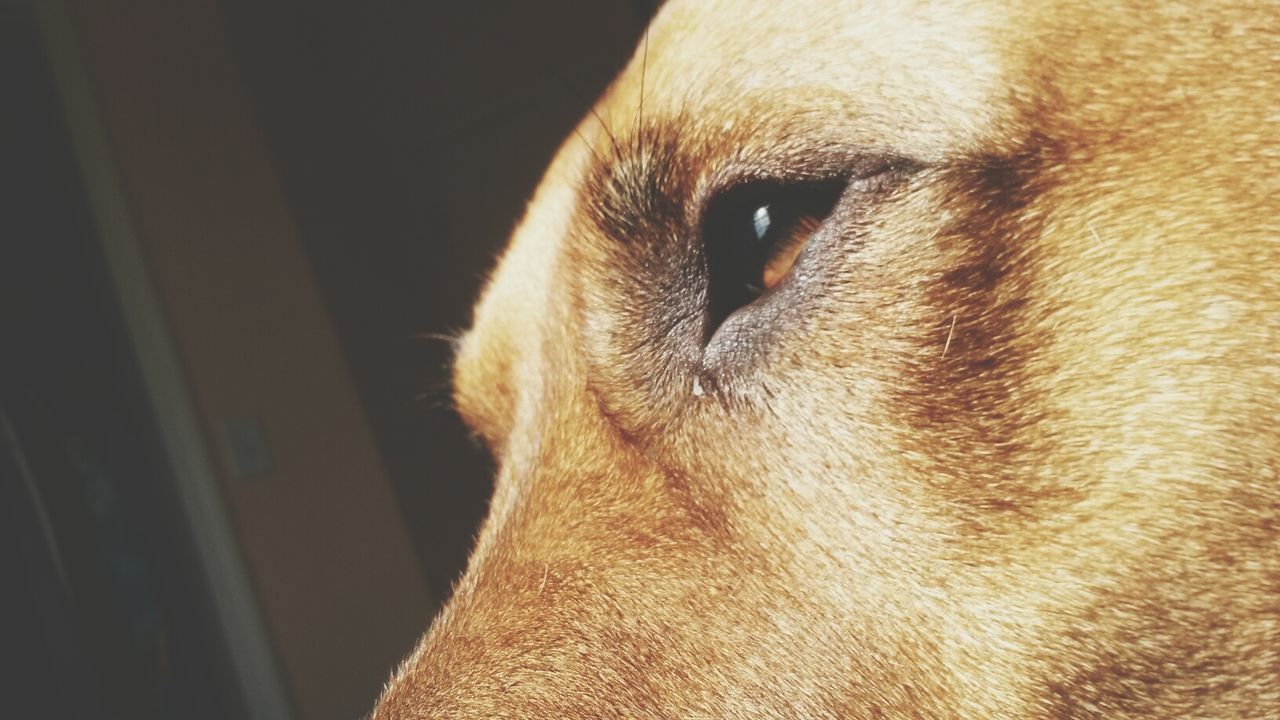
{"x": 1002, "y": 445}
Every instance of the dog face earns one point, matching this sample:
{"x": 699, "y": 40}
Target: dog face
{"x": 887, "y": 360}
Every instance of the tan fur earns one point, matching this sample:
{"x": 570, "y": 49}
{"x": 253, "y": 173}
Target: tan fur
{"x": 1005, "y": 446}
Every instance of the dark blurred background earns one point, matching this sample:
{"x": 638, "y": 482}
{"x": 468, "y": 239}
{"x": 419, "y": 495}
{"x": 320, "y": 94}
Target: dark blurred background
{"x": 235, "y": 236}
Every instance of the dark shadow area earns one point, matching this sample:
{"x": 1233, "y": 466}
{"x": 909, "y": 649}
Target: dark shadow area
{"x": 399, "y": 143}
{"x": 409, "y": 138}
{"x": 104, "y": 615}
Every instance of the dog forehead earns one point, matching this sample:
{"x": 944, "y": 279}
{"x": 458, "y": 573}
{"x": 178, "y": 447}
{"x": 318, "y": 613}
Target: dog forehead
{"x": 926, "y": 77}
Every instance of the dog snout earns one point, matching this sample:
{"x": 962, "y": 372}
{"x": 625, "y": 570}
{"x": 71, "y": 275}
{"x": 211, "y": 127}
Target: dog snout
{"x": 577, "y": 604}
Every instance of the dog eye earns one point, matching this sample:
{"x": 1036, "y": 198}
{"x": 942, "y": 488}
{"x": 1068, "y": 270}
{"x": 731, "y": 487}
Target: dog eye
{"x": 753, "y": 234}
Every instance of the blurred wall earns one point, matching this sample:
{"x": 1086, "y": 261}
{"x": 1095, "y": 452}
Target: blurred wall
{"x": 316, "y": 519}
{"x": 319, "y": 189}
{"x": 409, "y": 137}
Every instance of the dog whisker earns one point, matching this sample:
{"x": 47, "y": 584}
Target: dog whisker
{"x": 613, "y": 139}
{"x": 950, "y": 333}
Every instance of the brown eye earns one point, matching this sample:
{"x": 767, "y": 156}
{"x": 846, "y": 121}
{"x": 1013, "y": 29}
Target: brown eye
{"x": 782, "y": 234}
{"x": 753, "y": 235}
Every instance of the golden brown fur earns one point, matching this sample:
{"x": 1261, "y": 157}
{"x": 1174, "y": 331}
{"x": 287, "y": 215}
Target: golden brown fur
{"x": 1004, "y": 445}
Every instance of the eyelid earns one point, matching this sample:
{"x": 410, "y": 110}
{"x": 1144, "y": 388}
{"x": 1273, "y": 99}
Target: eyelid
{"x": 844, "y": 168}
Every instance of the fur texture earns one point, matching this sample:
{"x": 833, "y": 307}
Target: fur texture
{"x": 1002, "y": 444}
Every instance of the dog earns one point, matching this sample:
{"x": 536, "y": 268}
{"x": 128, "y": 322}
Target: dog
{"x": 887, "y": 360}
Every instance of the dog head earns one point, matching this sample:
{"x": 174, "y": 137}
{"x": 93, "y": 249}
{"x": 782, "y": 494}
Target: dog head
{"x": 886, "y": 360}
